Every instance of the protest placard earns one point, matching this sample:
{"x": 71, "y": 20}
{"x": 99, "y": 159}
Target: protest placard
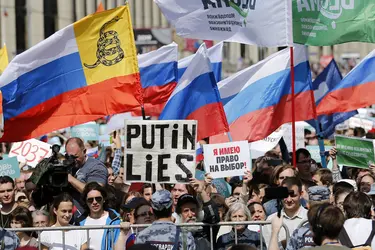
{"x": 360, "y": 122}
{"x": 315, "y": 154}
{"x": 227, "y": 159}
{"x": 87, "y": 132}
{"x": 354, "y": 152}
{"x": 10, "y": 167}
{"x": 30, "y": 152}
{"x": 300, "y": 136}
{"x": 258, "y": 148}
{"x": 160, "y": 151}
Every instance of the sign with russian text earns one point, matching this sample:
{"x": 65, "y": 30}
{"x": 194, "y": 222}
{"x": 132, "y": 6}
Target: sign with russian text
{"x": 31, "y": 151}
{"x": 9, "y": 167}
{"x": 160, "y": 151}
{"x": 354, "y": 152}
{"x": 87, "y": 132}
{"x": 227, "y": 159}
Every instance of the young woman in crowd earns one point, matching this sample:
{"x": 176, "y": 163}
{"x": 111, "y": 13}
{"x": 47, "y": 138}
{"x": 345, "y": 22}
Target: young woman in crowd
{"x": 257, "y": 213}
{"x": 62, "y": 212}
{"x": 21, "y": 218}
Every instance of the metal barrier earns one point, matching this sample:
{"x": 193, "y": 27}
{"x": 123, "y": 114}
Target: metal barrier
{"x": 39, "y": 230}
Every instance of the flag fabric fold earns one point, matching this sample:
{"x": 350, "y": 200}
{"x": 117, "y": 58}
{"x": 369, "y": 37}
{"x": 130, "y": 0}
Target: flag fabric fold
{"x": 196, "y": 97}
{"x": 83, "y": 72}
{"x": 215, "y": 54}
{"x": 158, "y": 71}
{"x": 263, "y": 23}
{"x": 322, "y": 85}
{"x": 354, "y": 91}
{"x": 257, "y": 100}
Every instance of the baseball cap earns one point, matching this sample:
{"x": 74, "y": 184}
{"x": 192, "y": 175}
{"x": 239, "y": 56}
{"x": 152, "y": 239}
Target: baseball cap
{"x": 318, "y": 193}
{"x": 185, "y": 198}
{"x": 161, "y": 199}
{"x": 135, "y": 203}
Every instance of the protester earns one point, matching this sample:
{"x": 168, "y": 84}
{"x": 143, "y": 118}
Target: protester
{"x": 21, "y": 218}
{"x": 292, "y": 212}
{"x": 238, "y": 212}
{"x": 257, "y": 213}
{"x": 188, "y": 208}
{"x": 7, "y": 199}
{"x": 20, "y": 183}
{"x": 62, "y": 214}
{"x": 323, "y": 177}
{"x": 111, "y": 176}
{"x": 40, "y": 218}
{"x": 219, "y": 201}
{"x": 364, "y": 182}
{"x": 304, "y": 163}
{"x": 147, "y": 191}
{"x": 97, "y": 213}
{"x": 163, "y": 233}
{"x": 302, "y": 237}
{"x": 358, "y": 225}
{"x": 340, "y": 191}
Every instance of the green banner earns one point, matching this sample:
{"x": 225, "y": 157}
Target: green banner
{"x": 329, "y": 22}
{"x": 354, "y": 152}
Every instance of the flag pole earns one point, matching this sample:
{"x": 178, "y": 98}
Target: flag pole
{"x": 293, "y": 106}
{"x": 143, "y": 112}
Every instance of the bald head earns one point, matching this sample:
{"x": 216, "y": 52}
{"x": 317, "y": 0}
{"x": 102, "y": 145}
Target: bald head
{"x": 75, "y": 147}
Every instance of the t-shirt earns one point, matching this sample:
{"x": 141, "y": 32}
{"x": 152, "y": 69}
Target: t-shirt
{"x": 96, "y": 236}
{"x": 74, "y": 239}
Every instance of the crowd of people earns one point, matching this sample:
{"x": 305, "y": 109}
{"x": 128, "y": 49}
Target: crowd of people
{"x": 305, "y": 206}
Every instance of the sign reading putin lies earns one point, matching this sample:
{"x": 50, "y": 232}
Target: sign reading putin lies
{"x": 227, "y": 159}
{"x": 160, "y": 151}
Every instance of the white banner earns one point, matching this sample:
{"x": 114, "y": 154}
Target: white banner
{"x": 160, "y": 151}
{"x": 300, "y": 136}
{"x": 362, "y": 123}
{"x": 30, "y": 152}
{"x": 227, "y": 159}
{"x": 263, "y": 23}
{"x": 258, "y": 148}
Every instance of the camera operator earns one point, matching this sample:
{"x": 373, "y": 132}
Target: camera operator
{"x": 86, "y": 169}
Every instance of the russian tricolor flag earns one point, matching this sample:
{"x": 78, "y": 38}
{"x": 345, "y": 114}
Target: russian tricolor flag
{"x": 257, "y": 100}
{"x": 158, "y": 71}
{"x": 215, "y": 54}
{"x": 354, "y": 91}
{"x": 196, "y": 97}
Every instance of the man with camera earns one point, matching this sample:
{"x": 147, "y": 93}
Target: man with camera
{"x": 86, "y": 169}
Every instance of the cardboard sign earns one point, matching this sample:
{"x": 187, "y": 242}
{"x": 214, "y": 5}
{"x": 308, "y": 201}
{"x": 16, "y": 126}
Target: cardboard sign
{"x": 10, "y": 167}
{"x": 160, "y": 151}
{"x": 87, "y": 132}
{"x": 31, "y": 151}
{"x": 259, "y": 148}
{"x": 300, "y": 136}
{"x": 355, "y": 152}
{"x": 227, "y": 159}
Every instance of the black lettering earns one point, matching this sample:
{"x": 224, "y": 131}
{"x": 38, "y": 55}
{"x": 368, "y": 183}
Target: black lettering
{"x": 222, "y": 167}
{"x": 212, "y": 168}
{"x": 236, "y": 2}
{"x": 219, "y": 5}
{"x": 162, "y": 127}
{"x": 216, "y": 168}
{"x": 129, "y": 169}
{"x": 252, "y": 4}
{"x": 245, "y": 5}
{"x": 148, "y": 168}
{"x": 175, "y": 136}
{"x": 179, "y": 163}
{"x": 132, "y": 131}
{"x": 144, "y": 137}
{"x": 161, "y": 167}
{"x": 188, "y": 136}
{"x": 208, "y": 2}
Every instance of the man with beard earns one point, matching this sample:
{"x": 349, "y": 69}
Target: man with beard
{"x": 188, "y": 209}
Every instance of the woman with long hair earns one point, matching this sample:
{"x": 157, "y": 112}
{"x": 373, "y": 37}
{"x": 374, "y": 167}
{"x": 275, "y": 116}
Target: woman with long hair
{"x": 62, "y": 212}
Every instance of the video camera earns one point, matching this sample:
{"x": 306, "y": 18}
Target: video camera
{"x": 51, "y": 176}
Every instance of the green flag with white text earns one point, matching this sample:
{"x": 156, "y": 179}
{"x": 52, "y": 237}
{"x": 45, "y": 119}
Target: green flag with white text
{"x": 329, "y": 22}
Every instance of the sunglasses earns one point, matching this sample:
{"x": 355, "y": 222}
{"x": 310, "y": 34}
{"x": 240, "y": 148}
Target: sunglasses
{"x": 98, "y": 199}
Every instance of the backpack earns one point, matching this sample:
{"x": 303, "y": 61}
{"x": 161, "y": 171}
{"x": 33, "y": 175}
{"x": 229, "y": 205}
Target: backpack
{"x": 345, "y": 240}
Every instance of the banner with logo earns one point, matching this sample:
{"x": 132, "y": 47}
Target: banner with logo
{"x": 160, "y": 151}
{"x": 87, "y": 132}
{"x": 263, "y": 23}
{"x": 329, "y": 22}
{"x": 227, "y": 159}
{"x": 10, "y": 167}
{"x": 354, "y": 152}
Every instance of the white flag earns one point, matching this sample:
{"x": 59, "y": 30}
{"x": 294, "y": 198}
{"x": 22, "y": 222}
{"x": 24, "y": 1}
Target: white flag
{"x": 266, "y": 23}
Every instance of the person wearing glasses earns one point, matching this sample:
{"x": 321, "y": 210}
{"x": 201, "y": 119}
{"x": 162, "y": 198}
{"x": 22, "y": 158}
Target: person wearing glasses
{"x": 293, "y": 212}
{"x": 306, "y": 166}
{"x": 97, "y": 213}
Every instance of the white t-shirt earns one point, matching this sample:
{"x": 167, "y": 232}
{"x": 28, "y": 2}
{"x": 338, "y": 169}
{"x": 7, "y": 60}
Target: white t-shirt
{"x": 74, "y": 239}
{"x": 96, "y": 236}
{"x": 359, "y": 230}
